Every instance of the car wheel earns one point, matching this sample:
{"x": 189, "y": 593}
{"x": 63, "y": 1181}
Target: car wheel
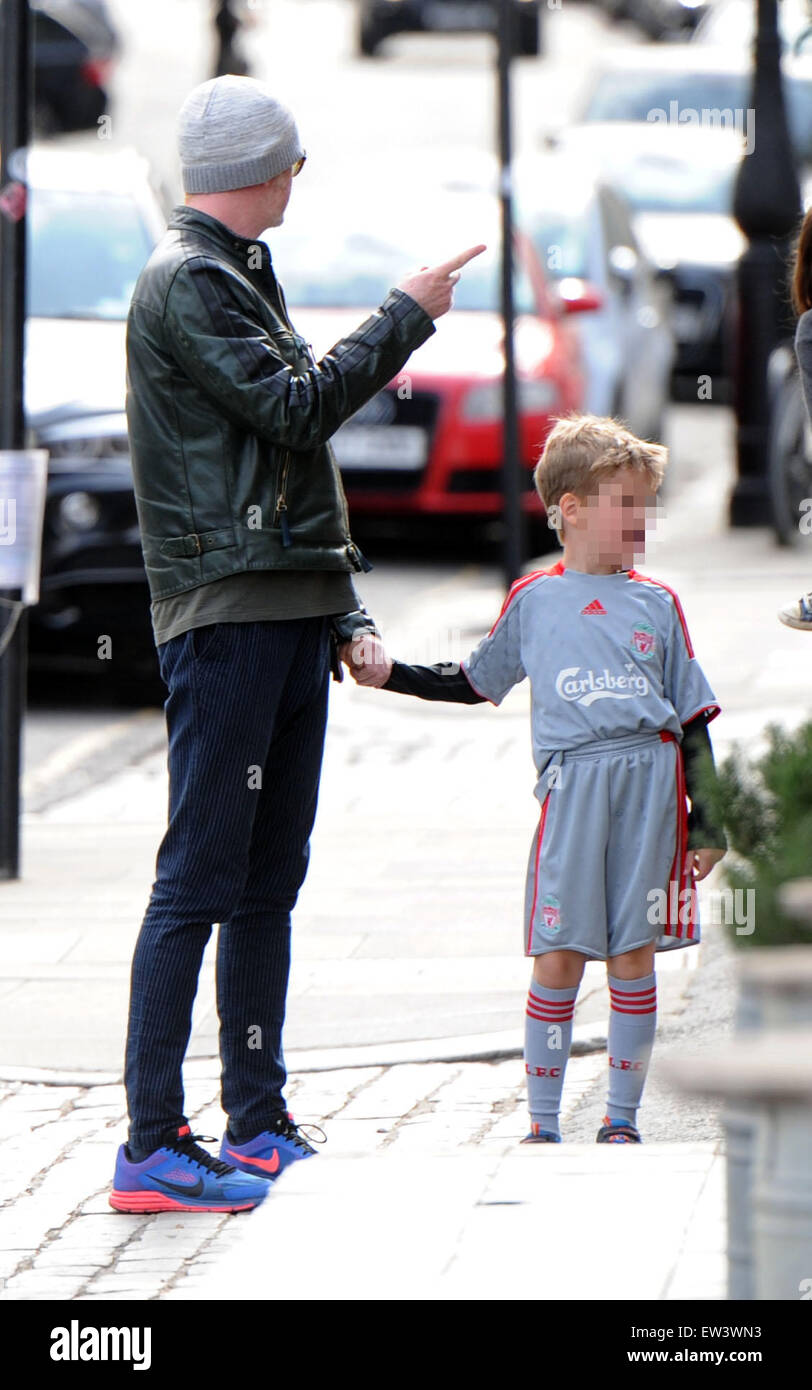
{"x": 368, "y": 40}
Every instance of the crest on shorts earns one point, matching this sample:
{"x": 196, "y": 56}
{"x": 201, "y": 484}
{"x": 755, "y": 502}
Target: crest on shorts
{"x": 551, "y": 913}
{"x": 644, "y": 640}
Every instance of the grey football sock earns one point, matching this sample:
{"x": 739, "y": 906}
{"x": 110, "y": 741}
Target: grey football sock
{"x": 548, "y": 1034}
{"x": 632, "y": 1024}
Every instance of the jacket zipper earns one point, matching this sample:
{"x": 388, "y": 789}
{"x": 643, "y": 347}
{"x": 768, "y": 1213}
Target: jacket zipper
{"x": 281, "y": 515}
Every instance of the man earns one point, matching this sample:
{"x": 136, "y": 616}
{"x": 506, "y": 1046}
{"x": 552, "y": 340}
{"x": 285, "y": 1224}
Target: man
{"x": 249, "y": 559}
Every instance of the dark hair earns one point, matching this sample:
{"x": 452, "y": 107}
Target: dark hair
{"x": 801, "y": 266}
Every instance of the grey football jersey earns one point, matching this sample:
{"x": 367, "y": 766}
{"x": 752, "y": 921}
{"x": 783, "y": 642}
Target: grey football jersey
{"x": 607, "y": 655}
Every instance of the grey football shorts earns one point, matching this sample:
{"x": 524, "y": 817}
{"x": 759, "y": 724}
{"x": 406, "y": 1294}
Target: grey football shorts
{"x": 605, "y": 873}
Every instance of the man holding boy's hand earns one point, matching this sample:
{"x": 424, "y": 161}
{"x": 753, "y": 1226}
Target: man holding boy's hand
{"x": 249, "y": 560}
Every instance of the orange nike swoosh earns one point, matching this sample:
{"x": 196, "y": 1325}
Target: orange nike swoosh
{"x": 269, "y": 1165}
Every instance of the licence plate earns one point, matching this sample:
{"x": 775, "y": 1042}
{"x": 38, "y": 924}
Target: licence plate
{"x": 458, "y": 16}
{"x": 397, "y": 447}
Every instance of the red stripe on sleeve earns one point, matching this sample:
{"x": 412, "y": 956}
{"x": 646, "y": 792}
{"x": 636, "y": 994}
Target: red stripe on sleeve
{"x": 516, "y": 589}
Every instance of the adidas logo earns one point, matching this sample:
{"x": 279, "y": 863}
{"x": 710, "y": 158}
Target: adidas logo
{"x": 594, "y": 607}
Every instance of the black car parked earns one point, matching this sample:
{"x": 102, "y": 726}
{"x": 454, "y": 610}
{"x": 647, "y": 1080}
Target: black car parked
{"x": 75, "y": 44}
{"x": 378, "y": 19}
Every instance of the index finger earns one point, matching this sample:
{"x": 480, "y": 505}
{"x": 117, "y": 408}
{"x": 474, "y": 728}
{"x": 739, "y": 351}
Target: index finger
{"x": 457, "y": 262}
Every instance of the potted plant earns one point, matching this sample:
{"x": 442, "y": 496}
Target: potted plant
{"x": 765, "y": 804}
{"x": 766, "y": 807}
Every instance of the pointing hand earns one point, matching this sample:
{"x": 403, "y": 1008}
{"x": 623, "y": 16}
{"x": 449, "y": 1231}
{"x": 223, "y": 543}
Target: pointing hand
{"x": 433, "y": 288}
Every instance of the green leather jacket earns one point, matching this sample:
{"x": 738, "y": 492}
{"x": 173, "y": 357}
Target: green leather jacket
{"x": 229, "y": 415}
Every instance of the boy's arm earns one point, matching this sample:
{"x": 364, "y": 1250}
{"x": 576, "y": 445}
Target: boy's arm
{"x": 445, "y": 681}
{"x": 486, "y": 675}
{"x": 703, "y": 831}
{"x": 686, "y": 686}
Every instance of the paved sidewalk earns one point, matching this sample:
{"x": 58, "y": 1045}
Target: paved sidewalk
{"x": 495, "y": 1222}
{"x": 381, "y": 1195}
{"x": 391, "y": 1207}
{"x": 405, "y": 1020}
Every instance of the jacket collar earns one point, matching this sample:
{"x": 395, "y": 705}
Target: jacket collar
{"x": 183, "y": 217}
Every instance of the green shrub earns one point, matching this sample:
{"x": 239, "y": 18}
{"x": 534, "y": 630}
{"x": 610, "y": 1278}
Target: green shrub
{"x": 766, "y": 808}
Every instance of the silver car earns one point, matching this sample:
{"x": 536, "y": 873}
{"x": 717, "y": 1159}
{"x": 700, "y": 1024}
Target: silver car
{"x": 582, "y": 231}
{"x": 93, "y": 220}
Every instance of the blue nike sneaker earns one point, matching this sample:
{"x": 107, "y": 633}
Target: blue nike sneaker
{"x": 180, "y": 1176}
{"x": 270, "y": 1152}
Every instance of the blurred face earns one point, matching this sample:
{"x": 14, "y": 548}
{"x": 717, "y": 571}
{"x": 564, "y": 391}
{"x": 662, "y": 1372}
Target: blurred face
{"x": 611, "y": 523}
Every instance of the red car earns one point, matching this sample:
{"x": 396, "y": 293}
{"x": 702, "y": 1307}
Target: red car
{"x": 430, "y": 443}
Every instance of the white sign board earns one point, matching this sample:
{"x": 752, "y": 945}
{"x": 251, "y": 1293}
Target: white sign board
{"x": 23, "y": 483}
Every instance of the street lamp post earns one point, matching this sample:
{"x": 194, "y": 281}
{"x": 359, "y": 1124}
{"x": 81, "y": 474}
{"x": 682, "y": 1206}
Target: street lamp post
{"x": 767, "y": 207}
{"x": 227, "y": 24}
{"x": 512, "y": 473}
{"x": 16, "y": 72}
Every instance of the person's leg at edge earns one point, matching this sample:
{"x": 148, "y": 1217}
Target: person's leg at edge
{"x": 632, "y": 1024}
{"x": 548, "y": 1035}
{"x": 253, "y": 949}
{"x": 220, "y": 714}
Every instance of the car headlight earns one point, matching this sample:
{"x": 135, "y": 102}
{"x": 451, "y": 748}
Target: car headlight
{"x": 484, "y": 402}
{"x": 79, "y": 511}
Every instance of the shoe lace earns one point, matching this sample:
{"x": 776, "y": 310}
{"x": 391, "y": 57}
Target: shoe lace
{"x": 189, "y": 1148}
{"x": 301, "y": 1135}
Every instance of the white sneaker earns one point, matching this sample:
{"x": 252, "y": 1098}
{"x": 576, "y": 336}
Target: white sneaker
{"x": 798, "y": 614}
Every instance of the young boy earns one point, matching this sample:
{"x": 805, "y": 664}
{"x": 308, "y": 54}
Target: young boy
{"x": 619, "y": 713}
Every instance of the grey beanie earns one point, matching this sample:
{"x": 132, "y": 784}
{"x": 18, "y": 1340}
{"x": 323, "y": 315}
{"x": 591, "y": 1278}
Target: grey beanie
{"x": 232, "y": 132}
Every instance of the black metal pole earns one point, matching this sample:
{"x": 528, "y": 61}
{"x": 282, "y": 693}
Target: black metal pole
{"x": 767, "y": 207}
{"x": 228, "y": 57}
{"x": 512, "y": 473}
{"x": 16, "y": 82}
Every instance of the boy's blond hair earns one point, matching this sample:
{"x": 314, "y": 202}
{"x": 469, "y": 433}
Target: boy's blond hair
{"x": 581, "y": 450}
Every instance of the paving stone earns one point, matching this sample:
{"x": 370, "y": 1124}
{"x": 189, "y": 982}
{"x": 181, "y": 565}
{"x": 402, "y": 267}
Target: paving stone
{"x": 93, "y": 1096}
{"x": 129, "y": 1279}
{"x": 322, "y": 1093}
{"x": 139, "y": 1262}
{"x": 348, "y": 1137}
{"x": 40, "y": 1099}
{"x": 396, "y": 1092}
{"x": 116, "y": 1296}
{"x": 44, "y": 1284}
{"x": 95, "y": 1232}
{"x": 56, "y": 1256}
{"x": 10, "y": 1260}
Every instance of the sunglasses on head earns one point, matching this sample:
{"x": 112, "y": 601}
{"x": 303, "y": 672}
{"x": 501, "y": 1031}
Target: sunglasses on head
{"x": 298, "y": 166}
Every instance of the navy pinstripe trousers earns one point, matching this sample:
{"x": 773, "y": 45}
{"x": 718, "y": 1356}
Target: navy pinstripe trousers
{"x": 246, "y": 716}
